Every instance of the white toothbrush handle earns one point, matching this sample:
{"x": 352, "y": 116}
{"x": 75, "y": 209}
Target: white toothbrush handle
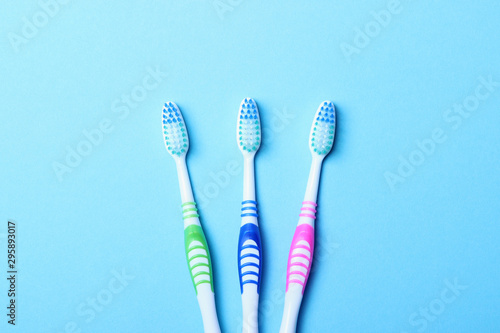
{"x": 206, "y": 300}
{"x": 293, "y": 299}
{"x": 300, "y": 257}
{"x": 249, "y": 251}
{"x": 197, "y": 253}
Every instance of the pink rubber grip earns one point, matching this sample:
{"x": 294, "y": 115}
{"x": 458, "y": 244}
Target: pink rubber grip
{"x": 303, "y": 239}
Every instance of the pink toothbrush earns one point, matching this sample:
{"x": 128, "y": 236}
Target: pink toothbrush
{"x": 302, "y": 249}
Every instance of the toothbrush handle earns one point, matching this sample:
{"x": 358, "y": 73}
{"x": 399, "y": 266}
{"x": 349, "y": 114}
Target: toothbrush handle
{"x": 250, "y": 265}
{"x": 300, "y": 260}
{"x": 200, "y": 267}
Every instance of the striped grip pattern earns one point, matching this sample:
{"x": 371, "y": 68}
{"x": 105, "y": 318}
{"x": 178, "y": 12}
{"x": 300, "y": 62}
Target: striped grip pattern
{"x": 302, "y": 249}
{"x": 249, "y": 249}
{"x": 189, "y": 210}
{"x": 198, "y": 256}
{"x": 249, "y": 209}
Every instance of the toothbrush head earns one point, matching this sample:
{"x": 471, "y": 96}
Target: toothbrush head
{"x": 323, "y": 130}
{"x": 248, "y": 131}
{"x": 174, "y": 130}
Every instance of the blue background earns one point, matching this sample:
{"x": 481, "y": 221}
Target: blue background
{"x": 383, "y": 254}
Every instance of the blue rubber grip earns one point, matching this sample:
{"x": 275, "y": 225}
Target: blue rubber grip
{"x": 249, "y": 233}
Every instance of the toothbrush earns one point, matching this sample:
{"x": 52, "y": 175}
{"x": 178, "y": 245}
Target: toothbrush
{"x": 197, "y": 253}
{"x": 249, "y": 245}
{"x": 300, "y": 256}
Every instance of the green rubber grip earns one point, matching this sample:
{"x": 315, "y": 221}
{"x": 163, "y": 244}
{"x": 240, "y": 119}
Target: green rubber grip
{"x": 194, "y": 239}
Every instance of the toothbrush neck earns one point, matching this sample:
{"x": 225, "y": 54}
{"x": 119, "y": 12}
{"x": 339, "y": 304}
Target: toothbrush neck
{"x": 184, "y": 181}
{"x": 249, "y": 178}
{"x": 313, "y": 182}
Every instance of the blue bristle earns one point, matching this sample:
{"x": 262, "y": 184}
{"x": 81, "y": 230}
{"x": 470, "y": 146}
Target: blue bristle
{"x": 164, "y": 122}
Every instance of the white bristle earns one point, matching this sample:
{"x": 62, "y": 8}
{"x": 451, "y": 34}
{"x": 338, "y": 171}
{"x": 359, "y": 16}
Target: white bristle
{"x": 323, "y": 129}
{"x": 249, "y": 127}
{"x": 174, "y": 130}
